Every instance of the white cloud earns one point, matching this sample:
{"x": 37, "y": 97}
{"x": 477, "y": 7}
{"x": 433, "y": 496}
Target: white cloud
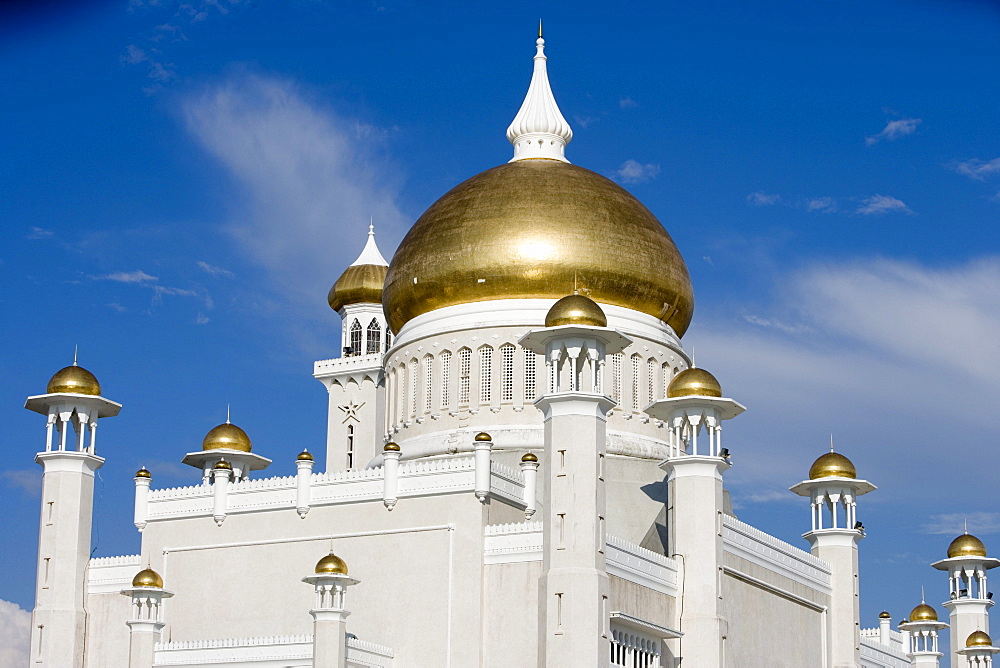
{"x": 15, "y": 635}
{"x": 201, "y": 319}
{"x": 627, "y": 103}
{"x": 878, "y": 204}
{"x": 585, "y": 121}
{"x": 117, "y": 307}
{"x": 137, "y": 276}
{"x": 761, "y": 198}
{"x": 821, "y": 204}
{"x": 25, "y": 480}
{"x": 632, "y": 171}
{"x": 952, "y": 524}
{"x": 312, "y": 182}
{"x": 212, "y": 270}
{"x": 774, "y": 323}
{"x": 893, "y": 130}
{"x": 978, "y": 169}
{"x": 40, "y": 233}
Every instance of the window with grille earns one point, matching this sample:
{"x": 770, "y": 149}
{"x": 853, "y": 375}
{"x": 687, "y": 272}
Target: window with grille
{"x": 402, "y": 392}
{"x": 464, "y": 371}
{"x": 374, "y": 337}
{"x": 666, "y": 378}
{"x": 635, "y": 382}
{"x": 393, "y": 408}
{"x": 428, "y": 382}
{"x": 507, "y": 372}
{"x": 350, "y": 446}
{"x": 445, "y": 378}
{"x": 355, "y": 338}
{"x": 651, "y": 380}
{"x": 616, "y": 377}
{"x": 485, "y": 375}
{"x": 414, "y": 375}
{"x": 530, "y": 369}
{"x": 388, "y": 338}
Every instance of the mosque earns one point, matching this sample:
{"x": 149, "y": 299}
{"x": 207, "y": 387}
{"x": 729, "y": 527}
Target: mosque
{"x": 523, "y": 468}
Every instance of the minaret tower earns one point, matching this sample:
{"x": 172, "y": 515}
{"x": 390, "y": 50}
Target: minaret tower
{"x": 978, "y": 651}
{"x": 330, "y": 613}
{"x": 833, "y": 488}
{"x": 970, "y": 600}
{"x": 923, "y": 628}
{"x": 72, "y": 404}
{"x": 695, "y": 407}
{"x": 573, "y": 589}
{"x": 355, "y": 382}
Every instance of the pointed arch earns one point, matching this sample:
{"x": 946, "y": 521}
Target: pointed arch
{"x": 464, "y": 375}
{"x": 374, "y": 337}
{"x": 507, "y": 372}
{"x": 355, "y": 337}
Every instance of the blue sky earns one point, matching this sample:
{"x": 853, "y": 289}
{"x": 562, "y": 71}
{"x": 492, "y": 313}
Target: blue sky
{"x": 182, "y": 182}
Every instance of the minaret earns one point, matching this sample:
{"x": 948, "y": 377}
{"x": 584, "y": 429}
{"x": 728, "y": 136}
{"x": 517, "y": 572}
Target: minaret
{"x": 73, "y": 405}
{"x": 146, "y": 622}
{"x": 226, "y": 442}
{"x": 923, "y": 628}
{"x": 833, "y": 488}
{"x": 978, "y": 651}
{"x": 539, "y": 129}
{"x": 695, "y": 407}
{"x": 355, "y": 382}
{"x": 970, "y": 600}
{"x": 573, "y": 589}
{"x": 329, "y": 612}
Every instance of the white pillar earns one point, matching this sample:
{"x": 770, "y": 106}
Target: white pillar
{"x": 330, "y": 616}
{"x": 303, "y": 477}
{"x": 145, "y": 625}
{"x": 884, "y": 629}
{"x": 220, "y": 478}
{"x": 390, "y": 474}
{"x": 142, "y": 480}
{"x": 839, "y": 548}
{"x": 529, "y": 470}
{"x": 482, "y": 446}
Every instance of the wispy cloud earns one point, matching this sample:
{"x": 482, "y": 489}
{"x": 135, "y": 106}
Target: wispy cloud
{"x": 585, "y": 121}
{"x": 142, "y": 279}
{"x": 633, "y": 171}
{"x": 977, "y": 169}
{"x": 201, "y": 319}
{"x": 137, "y": 276}
{"x": 627, "y": 103}
{"x": 879, "y": 204}
{"x": 25, "y": 480}
{"x": 312, "y": 180}
{"x": 213, "y": 270}
{"x": 40, "y": 233}
{"x": 117, "y": 307}
{"x": 761, "y": 198}
{"x": 774, "y": 323}
{"x": 821, "y": 204}
{"x": 952, "y": 524}
{"x": 157, "y": 71}
{"x": 15, "y": 634}
{"x": 893, "y": 130}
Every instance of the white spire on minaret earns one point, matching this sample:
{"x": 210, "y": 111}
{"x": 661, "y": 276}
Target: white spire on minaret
{"x": 539, "y": 129}
{"x": 370, "y": 254}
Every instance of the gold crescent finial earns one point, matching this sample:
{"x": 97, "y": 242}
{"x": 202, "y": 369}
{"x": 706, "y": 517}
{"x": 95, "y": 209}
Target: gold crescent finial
{"x": 539, "y": 27}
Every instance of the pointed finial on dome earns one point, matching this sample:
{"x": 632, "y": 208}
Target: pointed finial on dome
{"x": 539, "y": 129}
{"x": 227, "y": 414}
{"x": 922, "y": 599}
{"x": 76, "y": 349}
{"x": 831, "y": 442}
{"x": 370, "y": 255}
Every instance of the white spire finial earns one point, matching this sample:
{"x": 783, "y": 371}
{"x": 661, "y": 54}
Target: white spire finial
{"x": 370, "y": 254}
{"x": 831, "y": 442}
{"x": 922, "y": 599}
{"x": 227, "y": 414}
{"x": 539, "y": 129}
{"x": 76, "y": 349}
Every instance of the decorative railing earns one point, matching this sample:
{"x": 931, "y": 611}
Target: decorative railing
{"x": 124, "y": 560}
{"x": 109, "y": 575}
{"x": 634, "y": 650}
{"x": 875, "y": 653}
{"x": 752, "y": 544}
{"x": 291, "y": 650}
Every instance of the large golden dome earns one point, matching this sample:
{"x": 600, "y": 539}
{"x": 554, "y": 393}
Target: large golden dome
{"x": 537, "y": 229}
{"x": 832, "y": 465}
{"x": 966, "y": 545}
{"x": 359, "y": 284}
{"x": 74, "y": 380}
{"x": 923, "y": 613}
{"x": 228, "y": 436}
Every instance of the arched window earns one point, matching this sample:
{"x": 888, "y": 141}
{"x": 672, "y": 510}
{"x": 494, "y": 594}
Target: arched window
{"x": 650, "y": 380}
{"x": 445, "y": 378}
{"x": 374, "y": 337}
{"x": 355, "y": 337}
{"x": 393, "y": 411}
{"x": 485, "y": 375}
{"x": 350, "y": 446}
{"x": 402, "y": 393}
{"x": 464, "y": 373}
{"x": 616, "y": 377}
{"x": 666, "y": 378}
{"x": 530, "y": 375}
{"x": 507, "y": 372}
{"x": 636, "y": 368}
{"x": 388, "y": 338}
{"x": 414, "y": 384}
{"x": 428, "y": 382}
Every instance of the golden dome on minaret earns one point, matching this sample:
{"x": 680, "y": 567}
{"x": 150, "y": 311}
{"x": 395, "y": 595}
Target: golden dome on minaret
{"x": 361, "y": 283}
{"x": 979, "y": 639}
{"x": 331, "y": 563}
{"x": 923, "y": 613}
{"x": 147, "y": 577}
{"x": 576, "y": 310}
{"x": 832, "y": 465}
{"x": 966, "y": 545}
{"x": 694, "y": 382}
{"x": 227, "y": 435}
{"x": 533, "y": 229}
{"x": 74, "y": 379}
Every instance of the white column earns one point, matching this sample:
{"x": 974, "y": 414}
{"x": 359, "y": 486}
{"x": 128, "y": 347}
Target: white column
{"x": 142, "y": 481}
{"x": 303, "y": 477}
{"x": 220, "y": 488}
{"x": 482, "y": 447}
{"x": 390, "y": 475}
{"x": 839, "y": 548}
{"x": 529, "y": 470}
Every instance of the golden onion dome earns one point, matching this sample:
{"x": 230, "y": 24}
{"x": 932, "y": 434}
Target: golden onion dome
{"x": 535, "y": 229}
{"x": 74, "y": 379}
{"x": 576, "y": 310}
{"x": 884, "y": 615}
{"x": 923, "y": 613}
{"x": 391, "y": 447}
{"x": 832, "y": 465}
{"x": 143, "y": 473}
{"x": 483, "y": 436}
{"x": 979, "y": 639}
{"x": 227, "y": 435}
{"x": 529, "y": 457}
{"x": 966, "y": 545}
{"x": 147, "y": 578}
{"x": 305, "y": 456}
{"x": 223, "y": 465}
{"x": 694, "y": 382}
{"x": 331, "y": 563}
{"x": 359, "y": 284}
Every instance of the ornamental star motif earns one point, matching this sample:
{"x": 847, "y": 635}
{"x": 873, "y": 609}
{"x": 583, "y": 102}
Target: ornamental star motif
{"x": 351, "y": 410}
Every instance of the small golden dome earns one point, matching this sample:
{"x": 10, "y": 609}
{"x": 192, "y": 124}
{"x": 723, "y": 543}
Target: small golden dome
{"x": 529, "y": 457}
{"x": 227, "y": 435}
{"x": 576, "y": 310}
{"x": 331, "y": 563}
{"x": 147, "y": 578}
{"x": 483, "y": 436}
{"x": 532, "y": 229}
{"x": 884, "y": 615}
{"x": 966, "y": 545}
{"x": 143, "y": 473}
{"x": 694, "y": 382}
{"x": 979, "y": 639}
{"x": 923, "y": 613}
{"x": 391, "y": 447}
{"x": 832, "y": 465}
{"x": 359, "y": 284}
{"x": 305, "y": 456}
{"x": 223, "y": 465}
{"x": 74, "y": 379}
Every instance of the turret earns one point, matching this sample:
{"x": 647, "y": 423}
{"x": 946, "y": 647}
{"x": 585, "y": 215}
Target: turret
{"x": 230, "y": 443}
{"x": 978, "y": 651}
{"x": 969, "y": 598}
{"x": 923, "y": 628}
{"x": 330, "y": 581}
{"x": 146, "y": 621}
